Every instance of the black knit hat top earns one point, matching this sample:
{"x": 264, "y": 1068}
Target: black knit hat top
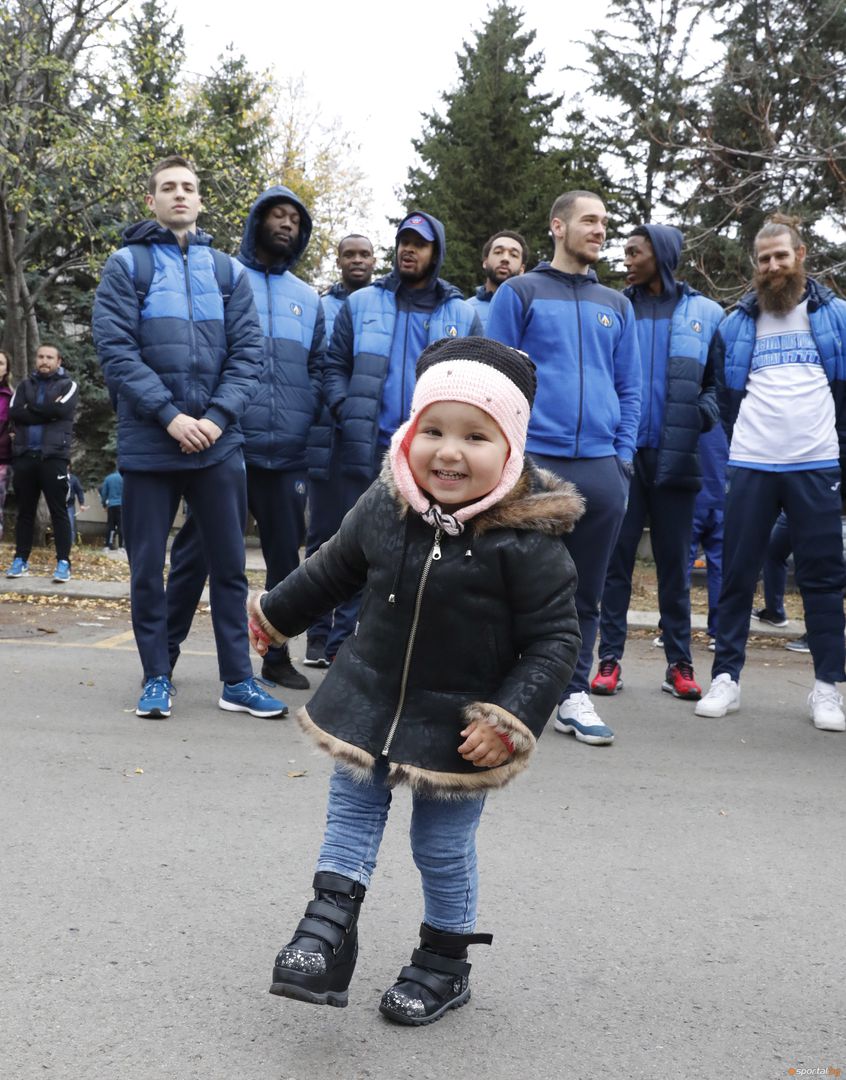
{"x": 512, "y": 363}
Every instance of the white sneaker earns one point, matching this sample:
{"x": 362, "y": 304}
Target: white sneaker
{"x": 722, "y": 697}
{"x": 825, "y": 707}
{"x": 577, "y": 716}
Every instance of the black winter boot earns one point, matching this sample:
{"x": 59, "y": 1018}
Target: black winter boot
{"x": 277, "y": 668}
{"x": 317, "y": 964}
{"x": 437, "y": 980}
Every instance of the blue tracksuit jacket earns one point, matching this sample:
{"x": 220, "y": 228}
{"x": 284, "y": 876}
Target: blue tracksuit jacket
{"x": 582, "y": 338}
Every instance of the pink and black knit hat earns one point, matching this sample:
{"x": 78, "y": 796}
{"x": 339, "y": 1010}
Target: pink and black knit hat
{"x": 495, "y": 378}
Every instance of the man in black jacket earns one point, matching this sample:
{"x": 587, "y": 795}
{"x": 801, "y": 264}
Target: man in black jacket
{"x": 42, "y": 411}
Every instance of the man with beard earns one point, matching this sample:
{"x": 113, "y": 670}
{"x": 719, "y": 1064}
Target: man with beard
{"x": 504, "y": 256}
{"x": 781, "y": 385}
{"x": 356, "y": 261}
{"x": 277, "y": 422}
{"x": 369, "y": 376}
{"x": 584, "y": 422}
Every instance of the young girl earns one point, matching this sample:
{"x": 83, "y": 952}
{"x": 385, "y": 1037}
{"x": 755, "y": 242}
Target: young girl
{"x": 467, "y": 635}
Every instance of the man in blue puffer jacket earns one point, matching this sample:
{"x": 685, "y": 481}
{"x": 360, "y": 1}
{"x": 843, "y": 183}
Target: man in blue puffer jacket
{"x": 675, "y": 328}
{"x": 379, "y": 333}
{"x": 182, "y": 361}
{"x": 780, "y": 365}
{"x": 277, "y": 423}
{"x": 581, "y": 335}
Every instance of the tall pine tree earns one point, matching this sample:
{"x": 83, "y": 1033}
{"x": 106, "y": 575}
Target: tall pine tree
{"x": 493, "y": 160}
{"x": 774, "y": 138}
{"x": 643, "y": 71}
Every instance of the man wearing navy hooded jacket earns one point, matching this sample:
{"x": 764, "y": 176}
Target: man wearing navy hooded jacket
{"x": 181, "y": 359}
{"x": 378, "y": 334}
{"x": 276, "y": 424}
{"x": 675, "y": 327}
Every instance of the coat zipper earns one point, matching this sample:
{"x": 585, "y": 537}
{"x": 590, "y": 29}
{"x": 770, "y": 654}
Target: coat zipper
{"x": 581, "y": 375}
{"x": 195, "y": 368}
{"x": 271, "y": 380}
{"x": 433, "y": 556}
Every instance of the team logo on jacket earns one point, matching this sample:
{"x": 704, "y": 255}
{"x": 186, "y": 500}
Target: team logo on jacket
{"x": 604, "y": 318}
{"x": 297, "y": 310}
{"x": 452, "y": 331}
{"x": 696, "y": 326}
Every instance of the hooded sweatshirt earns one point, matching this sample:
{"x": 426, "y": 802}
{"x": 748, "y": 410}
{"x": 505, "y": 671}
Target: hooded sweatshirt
{"x": 277, "y": 422}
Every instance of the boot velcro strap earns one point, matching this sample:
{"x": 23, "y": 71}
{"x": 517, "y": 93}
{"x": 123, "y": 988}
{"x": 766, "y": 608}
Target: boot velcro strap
{"x": 331, "y": 912}
{"x": 325, "y": 879}
{"x": 421, "y": 977}
{"x": 440, "y": 963}
{"x": 443, "y": 938}
{"x": 332, "y": 935}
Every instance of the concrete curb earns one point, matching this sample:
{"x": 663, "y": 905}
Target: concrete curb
{"x": 34, "y": 585}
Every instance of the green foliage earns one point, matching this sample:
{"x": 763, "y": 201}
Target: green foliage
{"x": 493, "y": 160}
{"x": 773, "y": 139}
{"x": 648, "y": 101}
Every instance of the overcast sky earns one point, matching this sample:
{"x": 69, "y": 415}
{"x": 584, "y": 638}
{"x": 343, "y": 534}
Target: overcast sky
{"x": 377, "y": 65}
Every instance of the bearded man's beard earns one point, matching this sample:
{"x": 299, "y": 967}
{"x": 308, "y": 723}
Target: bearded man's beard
{"x": 780, "y": 293}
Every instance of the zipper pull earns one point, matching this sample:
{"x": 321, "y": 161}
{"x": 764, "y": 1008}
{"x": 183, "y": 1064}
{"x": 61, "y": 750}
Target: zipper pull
{"x": 436, "y": 550}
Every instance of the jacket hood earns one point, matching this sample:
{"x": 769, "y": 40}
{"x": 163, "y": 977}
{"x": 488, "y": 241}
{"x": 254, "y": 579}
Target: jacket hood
{"x": 540, "y": 501}
{"x": 440, "y": 244}
{"x": 150, "y": 232}
{"x": 666, "y": 242}
{"x": 247, "y": 254}
{"x": 574, "y": 279}
{"x": 338, "y": 290}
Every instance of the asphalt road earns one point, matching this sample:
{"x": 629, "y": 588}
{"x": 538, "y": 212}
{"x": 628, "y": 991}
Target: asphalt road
{"x": 670, "y": 906}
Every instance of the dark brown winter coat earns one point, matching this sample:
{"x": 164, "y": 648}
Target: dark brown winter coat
{"x": 451, "y": 628}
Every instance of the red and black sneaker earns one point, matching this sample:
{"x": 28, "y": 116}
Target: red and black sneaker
{"x": 609, "y": 679}
{"x": 681, "y": 683}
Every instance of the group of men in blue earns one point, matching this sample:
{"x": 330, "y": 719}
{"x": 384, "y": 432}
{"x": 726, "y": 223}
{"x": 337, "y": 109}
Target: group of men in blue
{"x": 237, "y": 386}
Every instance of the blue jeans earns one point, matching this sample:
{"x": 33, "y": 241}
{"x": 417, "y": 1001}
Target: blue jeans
{"x": 443, "y": 844}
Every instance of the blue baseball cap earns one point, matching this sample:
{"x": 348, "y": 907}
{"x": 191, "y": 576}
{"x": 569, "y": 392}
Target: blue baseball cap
{"x": 420, "y": 225}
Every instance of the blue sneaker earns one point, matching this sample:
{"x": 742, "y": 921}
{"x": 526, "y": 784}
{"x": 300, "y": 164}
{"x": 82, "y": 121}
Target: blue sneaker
{"x": 249, "y": 696}
{"x": 577, "y": 716}
{"x": 62, "y": 571}
{"x": 19, "y": 568}
{"x": 155, "y": 699}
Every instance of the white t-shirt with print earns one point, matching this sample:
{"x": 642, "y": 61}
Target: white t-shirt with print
{"x": 786, "y": 419}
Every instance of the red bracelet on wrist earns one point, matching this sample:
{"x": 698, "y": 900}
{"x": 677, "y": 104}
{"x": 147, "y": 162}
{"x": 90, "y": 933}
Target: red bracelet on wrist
{"x": 258, "y": 633}
{"x": 509, "y": 745}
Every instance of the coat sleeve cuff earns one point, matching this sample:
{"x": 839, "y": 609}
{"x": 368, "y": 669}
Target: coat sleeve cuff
{"x": 167, "y": 413}
{"x": 254, "y": 611}
{"x": 503, "y": 723}
{"x": 217, "y": 416}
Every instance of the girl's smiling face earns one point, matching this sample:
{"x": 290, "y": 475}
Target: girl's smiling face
{"x": 457, "y": 453}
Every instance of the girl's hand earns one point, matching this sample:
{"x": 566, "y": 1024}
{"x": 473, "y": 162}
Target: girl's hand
{"x": 483, "y": 746}
{"x": 260, "y": 640}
